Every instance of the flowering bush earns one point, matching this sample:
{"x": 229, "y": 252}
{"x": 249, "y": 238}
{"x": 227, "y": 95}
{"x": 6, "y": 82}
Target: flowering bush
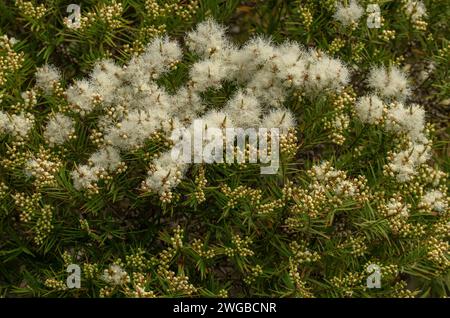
{"x": 88, "y": 174}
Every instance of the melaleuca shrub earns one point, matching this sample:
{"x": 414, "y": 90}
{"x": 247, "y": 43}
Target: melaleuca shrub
{"x": 88, "y": 172}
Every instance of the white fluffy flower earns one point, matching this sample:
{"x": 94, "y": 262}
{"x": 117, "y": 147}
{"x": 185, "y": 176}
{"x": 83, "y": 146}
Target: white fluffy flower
{"x": 84, "y": 176}
{"x": 324, "y": 171}
{"x": 348, "y": 15}
{"x": 207, "y": 74}
{"x": 369, "y": 109}
{"x": 137, "y": 107}
{"x": 163, "y": 50}
{"x": 115, "y": 275}
{"x": 81, "y": 95}
{"x": 346, "y": 188}
{"x": 208, "y": 131}
{"x": 282, "y": 119}
{"x": 207, "y": 39}
{"x": 21, "y": 124}
{"x": 187, "y": 105}
{"x": 33, "y": 168}
{"x": 216, "y": 119}
{"x": 435, "y": 200}
{"x": 268, "y": 89}
{"x": 326, "y": 73}
{"x": 396, "y": 207}
{"x": 158, "y": 58}
{"x": 59, "y": 128}
{"x": 107, "y": 158}
{"x": 389, "y": 82}
{"x": 4, "y": 122}
{"x": 415, "y": 10}
{"x": 406, "y": 163}
{"x": 46, "y": 77}
{"x": 135, "y": 128}
{"x": 18, "y": 125}
{"x": 106, "y": 78}
{"x": 244, "y": 110}
{"x": 289, "y": 64}
{"x": 243, "y": 63}
{"x": 259, "y": 50}
{"x": 167, "y": 174}
{"x": 410, "y": 120}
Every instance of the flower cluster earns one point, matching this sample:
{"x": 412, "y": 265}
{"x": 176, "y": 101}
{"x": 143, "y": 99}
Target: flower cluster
{"x": 416, "y": 11}
{"x": 48, "y": 79}
{"x": 31, "y": 11}
{"x": 10, "y": 61}
{"x": 109, "y": 14}
{"x": 137, "y": 109}
{"x": 115, "y": 275}
{"x": 43, "y": 166}
{"x": 183, "y": 10}
{"x": 17, "y": 125}
{"x": 59, "y": 129}
{"x": 350, "y": 14}
{"x": 89, "y": 161}
{"x": 240, "y": 247}
{"x": 389, "y": 82}
{"x": 314, "y": 200}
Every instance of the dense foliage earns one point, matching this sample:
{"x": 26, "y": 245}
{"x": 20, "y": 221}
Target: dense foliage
{"x": 86, "y": 176}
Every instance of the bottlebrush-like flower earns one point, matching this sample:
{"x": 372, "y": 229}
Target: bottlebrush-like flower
{"x": 244, "y": 110}
{"x": 187, "y": 105}
{"x": 165, "y": 175}
{"x": 115, "y": 275}
{"x": 84, "y": 177}
{"x": 4, "y": 122}
{"x": 410, "y": 120}
{"x": 369, "y": 109}
{"x": 107, "y": 158}
{"x": 135, "y": 128}
{"x": 21, "y": 124}
{"x": 245, "y": 61}
{"x": 435, "y": 200}
{"x": 80, "y": 95}
{"x": 18, "y": 125}
{"x": 348, "y": 15}
{"x": 46, "y": 77}
{"x": 207, "y": 74}
{"x": 59, "y": 129}
{"x": 106, "y": 78}
{"x": 416, "y": 10}
{"x": 207, "y": 39}
{"x": 404, "y": 164}
{"x": 326, "y": 73}
{"x": 282, "y": 119}
{"x": 389, "y": 82}
{"x": 395, "y": 207}
{"x": 159, "y": 56}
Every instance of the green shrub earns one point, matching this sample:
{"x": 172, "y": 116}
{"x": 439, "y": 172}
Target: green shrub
{"x": 87, "y": 176}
